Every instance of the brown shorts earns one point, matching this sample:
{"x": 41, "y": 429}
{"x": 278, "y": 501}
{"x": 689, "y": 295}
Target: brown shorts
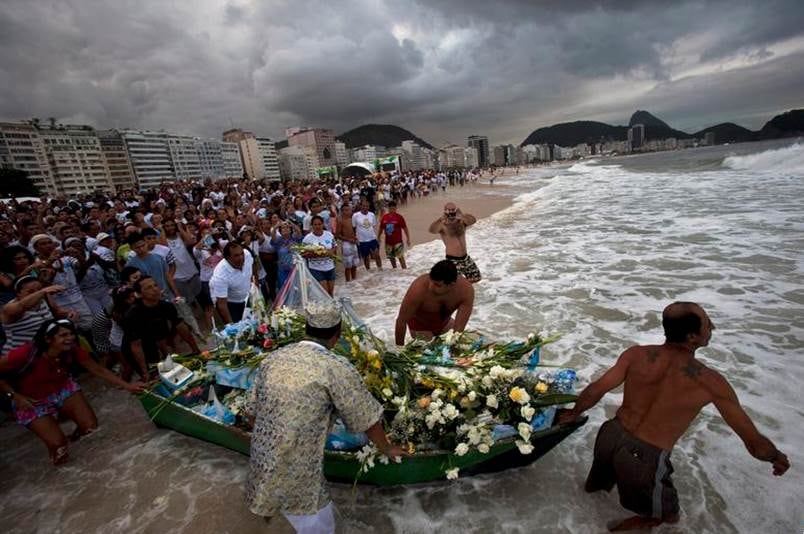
{"x": 640, "y": 470}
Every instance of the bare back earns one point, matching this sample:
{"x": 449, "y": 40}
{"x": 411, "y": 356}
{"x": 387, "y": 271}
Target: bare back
{"x": 664, "y": 391}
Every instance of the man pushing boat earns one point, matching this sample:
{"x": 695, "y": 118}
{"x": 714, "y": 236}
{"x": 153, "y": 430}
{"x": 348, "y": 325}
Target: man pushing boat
{"x": 291, "y": 407}
{"x": 431, "y": 300}
{"x": 665, "y": 388}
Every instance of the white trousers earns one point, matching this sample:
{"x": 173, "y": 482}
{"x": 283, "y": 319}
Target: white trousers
{"x": 322, "y": 522}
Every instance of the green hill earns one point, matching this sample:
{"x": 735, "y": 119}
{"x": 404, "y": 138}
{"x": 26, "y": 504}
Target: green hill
{"x": 789, "y": 124}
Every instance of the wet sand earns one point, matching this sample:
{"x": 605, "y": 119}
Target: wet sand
{"x": 134, "y": 477}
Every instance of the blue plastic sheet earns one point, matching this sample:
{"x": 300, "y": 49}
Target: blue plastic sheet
{"x": 341, "y": 439}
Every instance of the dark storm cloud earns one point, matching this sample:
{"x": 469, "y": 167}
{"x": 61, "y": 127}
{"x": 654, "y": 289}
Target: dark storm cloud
{"x": 443, "y": 68}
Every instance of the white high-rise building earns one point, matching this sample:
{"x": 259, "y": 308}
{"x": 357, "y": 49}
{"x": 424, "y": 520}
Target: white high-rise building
{"x": 117, "y": 162}
{"x": 210, "y": 156}
{"x": 341, "y": 154}
{"x": 184, "y": 157}
{"x": 270, "y": 163}
{"x": 451, "y": 157}
{"x": 77, "y": 162}
{"x": 471, "y": 157}
{"x": 150, "y": 157}
{"x": 368, "y": 153}
{"x": 232, "y": 164}
{"x": 22, "y": 148}
{"x": 414, "y": 151}
{"x": 297, "y": 162}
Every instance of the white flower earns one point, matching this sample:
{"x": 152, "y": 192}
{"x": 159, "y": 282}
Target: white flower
{"x": 387, "y": 392}
{"x": 487, "y": 381}
{"x": 373, "y": 353}
{"x": 461, "y": 449}
{"x": 491, "y": 401}
{"x": 531, "y": 336}
{"x": 527, "y": 412}
{"x": 483, "y": 448}
{"x": 524, "y": 447}
{"x": 474, "y": 436}
{"x": 384, "y": 459}
{"x": 450, "y": 337}
{"x": 497, "y": 371}
{"x": 472, "y": 396}
{"x": 461, "y": 388}
{"x": 436, "y": 393}
{"x": 355, "y": 339}
{"x": 452, "y": 474}
{"x": 399, "y": 401}
{"x": 524, "y": 431}
{"x": 450, "y": 412}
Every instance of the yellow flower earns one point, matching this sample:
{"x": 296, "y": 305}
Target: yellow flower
{"x": 376, "y": 363}
{"x": 519, "y": 395}
{"x": 541, "y": 388}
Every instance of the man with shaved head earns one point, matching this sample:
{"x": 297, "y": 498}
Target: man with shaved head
{"x": 665, "y": 388}
{"x": 451, "y": 226}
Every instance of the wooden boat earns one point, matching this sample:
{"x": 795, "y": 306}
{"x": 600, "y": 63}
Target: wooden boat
{"x": 344, "y": 466}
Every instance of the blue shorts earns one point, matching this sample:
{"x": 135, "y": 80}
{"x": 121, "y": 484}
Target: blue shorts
{"x": 366, "y": 248}
{"x": 323, "y": 276}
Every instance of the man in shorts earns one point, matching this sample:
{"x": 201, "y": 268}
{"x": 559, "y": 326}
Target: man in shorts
{"x": 392, "y": 224}
{"x": 451, "y": 226}
{"x": 346, "y": 235}
{"x": 365, "y": 224}
{"x": 665, "y": 388}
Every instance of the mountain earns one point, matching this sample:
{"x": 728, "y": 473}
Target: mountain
{"x": 789, "y": 124}
{"x": 575, "y": 133}
{"x": 386, "y": 135}
{"x": 655, "y": 128}
{"x": 728, "y": 132}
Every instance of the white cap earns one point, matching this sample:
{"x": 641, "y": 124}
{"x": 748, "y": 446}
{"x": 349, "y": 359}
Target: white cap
{"x": 323, "y": 314}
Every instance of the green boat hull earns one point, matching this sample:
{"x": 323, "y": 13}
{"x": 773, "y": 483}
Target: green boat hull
{"x": 344, "y": 466}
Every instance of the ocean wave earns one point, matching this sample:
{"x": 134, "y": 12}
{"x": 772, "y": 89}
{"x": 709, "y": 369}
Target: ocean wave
{"x": 788, "y": 160}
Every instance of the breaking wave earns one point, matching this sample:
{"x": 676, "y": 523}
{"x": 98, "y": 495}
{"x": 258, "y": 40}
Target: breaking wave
{"x": 787, "y": 160}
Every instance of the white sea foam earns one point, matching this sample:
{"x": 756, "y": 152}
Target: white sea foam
{"x": 789, "y": 159}
{"x": 595, "y": 253}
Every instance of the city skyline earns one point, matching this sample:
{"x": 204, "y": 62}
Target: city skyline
{"x": 443, "y": 71}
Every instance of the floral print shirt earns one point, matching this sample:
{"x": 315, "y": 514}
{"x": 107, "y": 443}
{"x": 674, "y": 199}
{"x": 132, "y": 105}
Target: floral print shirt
{"x": 296, "y": 395}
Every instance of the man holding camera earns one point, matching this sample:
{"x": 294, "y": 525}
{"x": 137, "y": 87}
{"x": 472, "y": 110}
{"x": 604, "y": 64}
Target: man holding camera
{"x": 451, "y": 226}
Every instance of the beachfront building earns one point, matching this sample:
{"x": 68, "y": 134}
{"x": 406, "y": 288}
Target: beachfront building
{"x": 22, "y": 148}
{"x": 471, "y": 158}
{"x": 295, "y": 163}
{"x": 322, "y": 142}
{"x": 497, "y": 156}
{"x": 184, "y": 157}
{"x": 232, "y": 165}
{"x": 76, "y": 160}
{"x": 481, "y": 144}
{"x": 118, "y": 164}
{"x": 341, "y": 154}
{"x": 368, "y": 153}
{"x": 429, "y": 158}
{"x": 270, "y": 163}
{"x": 210, "y": 158}
{"x": 451, "y": 157}
{"x": 150, "y": 157}
{"x": 636, "y": 137}
{"x": 250, "y": 155}
{"x": 415, "y": 154}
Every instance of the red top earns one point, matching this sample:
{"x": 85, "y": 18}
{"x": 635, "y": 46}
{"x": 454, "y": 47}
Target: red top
{"x": 41, "y": 376}
{"x": 392, "y": 224}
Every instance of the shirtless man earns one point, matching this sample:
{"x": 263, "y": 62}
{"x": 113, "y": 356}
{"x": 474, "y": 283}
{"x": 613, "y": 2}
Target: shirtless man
{"x": 451, "y": 226}
{"x": 430, "y": 301}
{"x": 665, "y": 388}
{"x": 346, "y": 235}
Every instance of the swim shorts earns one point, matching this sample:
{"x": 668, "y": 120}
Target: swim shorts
{"x": 395, "y": 251}
{"x": 367, "y": 247}
{"x": 350, "y": 256}
{"x": 323, "y": 276}
{"x": 466, "y": 266}
{"x": 49, "y": 406}
{"x": 640, "y": 470}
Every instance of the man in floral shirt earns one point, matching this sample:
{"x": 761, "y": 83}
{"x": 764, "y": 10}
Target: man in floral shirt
{"x": 291, "y": 406}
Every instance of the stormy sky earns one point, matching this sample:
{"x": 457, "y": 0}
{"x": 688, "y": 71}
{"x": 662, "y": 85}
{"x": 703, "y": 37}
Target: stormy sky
{"x": 443, "y": 69}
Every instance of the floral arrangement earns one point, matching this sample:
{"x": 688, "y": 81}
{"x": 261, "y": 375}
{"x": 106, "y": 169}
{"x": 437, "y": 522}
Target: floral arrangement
{"x": 457, "y": 393}
{"x": 311, "y": 251}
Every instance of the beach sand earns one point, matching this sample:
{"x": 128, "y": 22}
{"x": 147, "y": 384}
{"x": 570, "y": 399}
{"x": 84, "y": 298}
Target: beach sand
{"x": 479, "y": 199}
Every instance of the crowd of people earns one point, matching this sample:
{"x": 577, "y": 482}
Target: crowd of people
{"x": 142, "y": 275}
{"x": 139, "y": 275}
